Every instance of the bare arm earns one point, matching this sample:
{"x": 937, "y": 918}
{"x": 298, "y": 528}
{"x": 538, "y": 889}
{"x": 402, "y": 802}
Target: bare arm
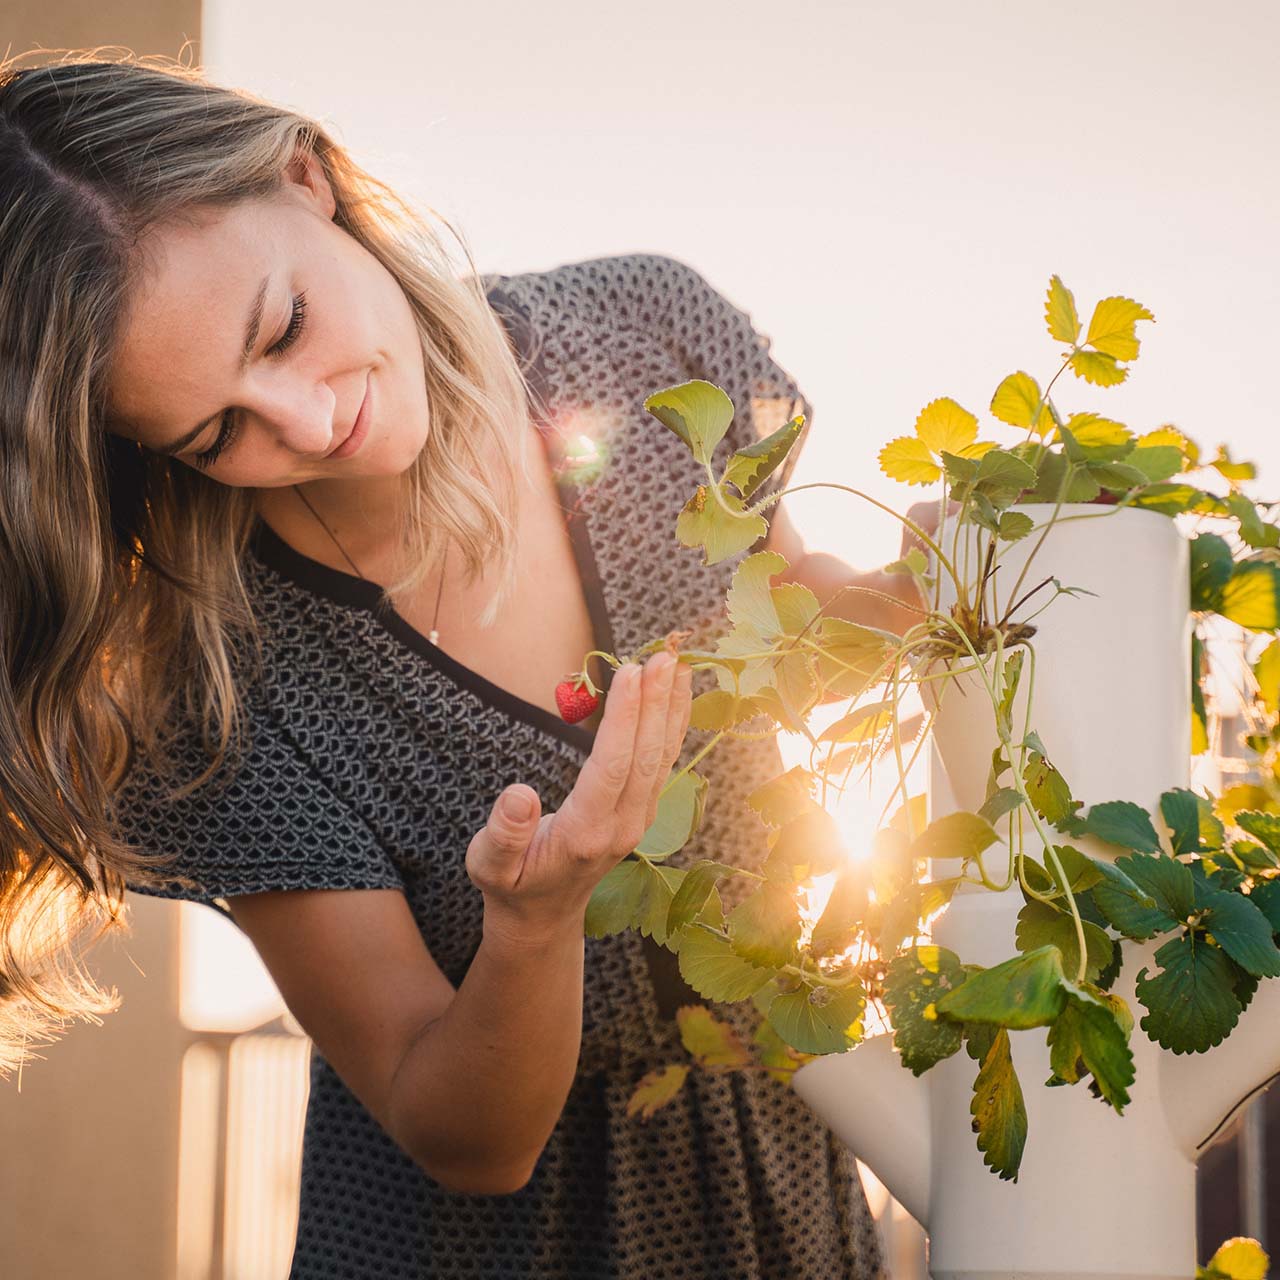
{"x": 480, "y": 1087}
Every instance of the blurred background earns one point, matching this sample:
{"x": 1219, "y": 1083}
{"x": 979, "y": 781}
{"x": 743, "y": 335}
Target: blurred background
{"x": 886, "y": 189}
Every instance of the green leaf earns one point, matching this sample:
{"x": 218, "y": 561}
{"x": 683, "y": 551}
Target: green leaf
{"x": 1046, "y": 788}
{"x": 821, "y": 1020}
{"x": 715, "y": 971}
{"x": 694, "y": 890}
{"x": 1211, "y": 567}
{"x": 1010, "y": 677}
{"x": 1018, "y": 402}
{"x": 1051, "y": 472}
{"x": 749, "y": 468}
{"x": 633, "y": 895}
{"x": 1252, "y": 596}
{"x": 705, "y": 523}
{"x": 1040, "y": 925}
{"x": 955, "y": 835}
{"x": 1156, "y": 462}
{"x": 913, "y": 984}
{"x": 1097, "y": 368}
{"x": 679, "y": 815}
{"x": 1027, "y": 991}
{"x": 1123, "y": 823}
{"x": 1199, "y": 720}
{"x": 657, "y": 1088}
{"x": 1267, "y": 672}
{"x": 784, "y": 797}
{"x": 697, "y": 412}
{"x": 846, "y": 908}
{"x": 1087, "y": 1034}
{"x": 1015, "y": 525}
{"x": 711, "y": 1042}
{"x": 1191, "y": 1005}
{"x": 807, "y": 845}
{"x": 1112, "y": 329}
{"x": 778, "y": 1058}
{"x": 1262, "y": 826}
{"x": 1266, "y": 897}
{"x": 1175, "y": 499}
{"x": 1117, "y": 477}
{"x": 998, "y": 1110}
{"x": 1242, "y": 931}
{"x": 765, "y": 928}
{"x": 1190, "y": 818}
{"x": 1165, "y": 881}
{"x": 998, "y": 803}
{"x": 1002, "y": 476}
{"x": 1089, "y": 438}
{"x": 1254, "y": 530}
{"x": 1060, "y": 313}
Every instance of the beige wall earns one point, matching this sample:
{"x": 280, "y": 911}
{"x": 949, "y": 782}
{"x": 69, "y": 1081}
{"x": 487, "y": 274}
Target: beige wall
{"x": 142, "y": 26}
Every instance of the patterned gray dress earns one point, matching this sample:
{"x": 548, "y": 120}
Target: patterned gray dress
{"x": 735, "y": 1178}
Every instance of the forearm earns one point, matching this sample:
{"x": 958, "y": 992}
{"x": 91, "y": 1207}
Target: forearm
{"x": 849, "y": 592}
{"x": 482, "y": 1087}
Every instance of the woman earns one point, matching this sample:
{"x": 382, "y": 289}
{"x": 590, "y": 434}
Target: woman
{"x": 292, "y": 572}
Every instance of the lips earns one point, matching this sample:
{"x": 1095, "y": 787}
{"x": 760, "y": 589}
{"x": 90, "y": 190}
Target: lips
{"x": 356, "y": 434}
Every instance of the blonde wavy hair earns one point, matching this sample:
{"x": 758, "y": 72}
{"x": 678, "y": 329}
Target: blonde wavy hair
{"x": 122, "y": 605}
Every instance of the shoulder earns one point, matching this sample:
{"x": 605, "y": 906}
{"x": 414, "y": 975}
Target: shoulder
{"x": 642, "y": 288}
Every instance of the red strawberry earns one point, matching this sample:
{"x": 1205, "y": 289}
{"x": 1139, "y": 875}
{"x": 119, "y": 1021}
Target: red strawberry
{"x": 575, "y": 700}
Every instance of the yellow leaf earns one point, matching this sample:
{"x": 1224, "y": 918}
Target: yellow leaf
{"x": 1169, "y": 434}
{"x": 943, "y": 424}
{"x": 1060, "y": 312}
{"x": 977, "y": 448}
{"x": 1267, "y": 671}
{"x": 1241, "y": 1259}
{"x": 656, "y": 1089}
{"x": 1098, "y": 368}
{"x": 712, "y": 1042}
{"x": 1017, "y": 400}
{"x": 1231, "y": 470}
{"x": 1090, "y": 430}
{"x": 1111, "y": 330}
{"x": 908, "y": 459}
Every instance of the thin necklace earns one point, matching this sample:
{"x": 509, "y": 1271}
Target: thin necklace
{"x": 433, "y": 635}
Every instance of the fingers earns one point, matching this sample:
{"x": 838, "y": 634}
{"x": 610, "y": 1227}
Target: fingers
{"x": 496, "y": 851}
{"x": 605, "y": 774}
{"x": 649, "y": 765}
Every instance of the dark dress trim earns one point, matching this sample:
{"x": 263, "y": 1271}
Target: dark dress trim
{"x": 359, "y": 593}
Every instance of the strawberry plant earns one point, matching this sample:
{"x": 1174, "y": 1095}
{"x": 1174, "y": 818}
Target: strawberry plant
{"x": 1198, "y": 880}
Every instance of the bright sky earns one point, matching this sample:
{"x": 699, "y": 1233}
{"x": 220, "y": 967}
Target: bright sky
{"x": 886, "y": 189}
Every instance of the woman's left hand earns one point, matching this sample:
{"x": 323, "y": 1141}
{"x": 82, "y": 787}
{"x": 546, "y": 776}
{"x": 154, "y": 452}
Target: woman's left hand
{"x": 925, "y": 514}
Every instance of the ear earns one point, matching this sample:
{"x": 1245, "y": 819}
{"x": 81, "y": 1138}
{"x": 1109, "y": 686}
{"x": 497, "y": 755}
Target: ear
{"x": 305, "y": 179}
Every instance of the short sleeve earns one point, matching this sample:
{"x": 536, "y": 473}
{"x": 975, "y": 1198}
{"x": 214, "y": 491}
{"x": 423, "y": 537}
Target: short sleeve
{"x": 272, "y": 822}
{"x": 717, "y": 341}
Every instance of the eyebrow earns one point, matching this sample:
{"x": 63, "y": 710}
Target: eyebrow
{"x": 252, "y": 329}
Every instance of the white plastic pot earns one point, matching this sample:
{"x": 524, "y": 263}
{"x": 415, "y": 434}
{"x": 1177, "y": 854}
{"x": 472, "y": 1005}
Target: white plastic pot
{"x": 1098, "y": 1195}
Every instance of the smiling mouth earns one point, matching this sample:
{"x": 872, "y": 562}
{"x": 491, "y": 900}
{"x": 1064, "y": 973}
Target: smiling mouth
{"x": 358, "y": 427}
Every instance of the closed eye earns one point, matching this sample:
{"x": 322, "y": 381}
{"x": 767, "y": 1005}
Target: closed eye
{"x": 230, "y": 426}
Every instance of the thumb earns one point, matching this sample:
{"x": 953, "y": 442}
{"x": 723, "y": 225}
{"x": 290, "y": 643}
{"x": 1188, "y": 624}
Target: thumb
{"x": 506, "y": 835}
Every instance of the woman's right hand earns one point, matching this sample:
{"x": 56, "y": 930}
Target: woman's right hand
{"x": 536, "y": 872}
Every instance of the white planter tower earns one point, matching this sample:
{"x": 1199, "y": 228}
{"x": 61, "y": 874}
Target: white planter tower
{"x": 1098, "y": 1195}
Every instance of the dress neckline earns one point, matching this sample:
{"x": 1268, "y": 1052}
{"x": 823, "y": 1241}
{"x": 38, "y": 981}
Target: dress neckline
{"x": 359, "y": 593}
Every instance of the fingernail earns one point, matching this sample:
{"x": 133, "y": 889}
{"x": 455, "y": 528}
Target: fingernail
{"x": 517, "y": 806}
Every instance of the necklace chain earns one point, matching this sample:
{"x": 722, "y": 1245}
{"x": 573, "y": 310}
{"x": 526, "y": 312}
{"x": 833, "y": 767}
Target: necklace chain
{"x": 433, "y": 635}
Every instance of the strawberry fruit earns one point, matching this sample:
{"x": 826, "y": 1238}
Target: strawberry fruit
{"x": 575, "y": 700}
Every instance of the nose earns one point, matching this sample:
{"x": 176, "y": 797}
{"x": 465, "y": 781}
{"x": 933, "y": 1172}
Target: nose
{"x": 301, "y": 418}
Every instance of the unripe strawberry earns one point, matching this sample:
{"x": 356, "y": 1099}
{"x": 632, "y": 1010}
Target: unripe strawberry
{"x": 575, "y": 700}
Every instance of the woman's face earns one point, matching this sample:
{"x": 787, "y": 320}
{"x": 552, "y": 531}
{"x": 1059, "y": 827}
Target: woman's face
{"x": 333, "y": 323}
